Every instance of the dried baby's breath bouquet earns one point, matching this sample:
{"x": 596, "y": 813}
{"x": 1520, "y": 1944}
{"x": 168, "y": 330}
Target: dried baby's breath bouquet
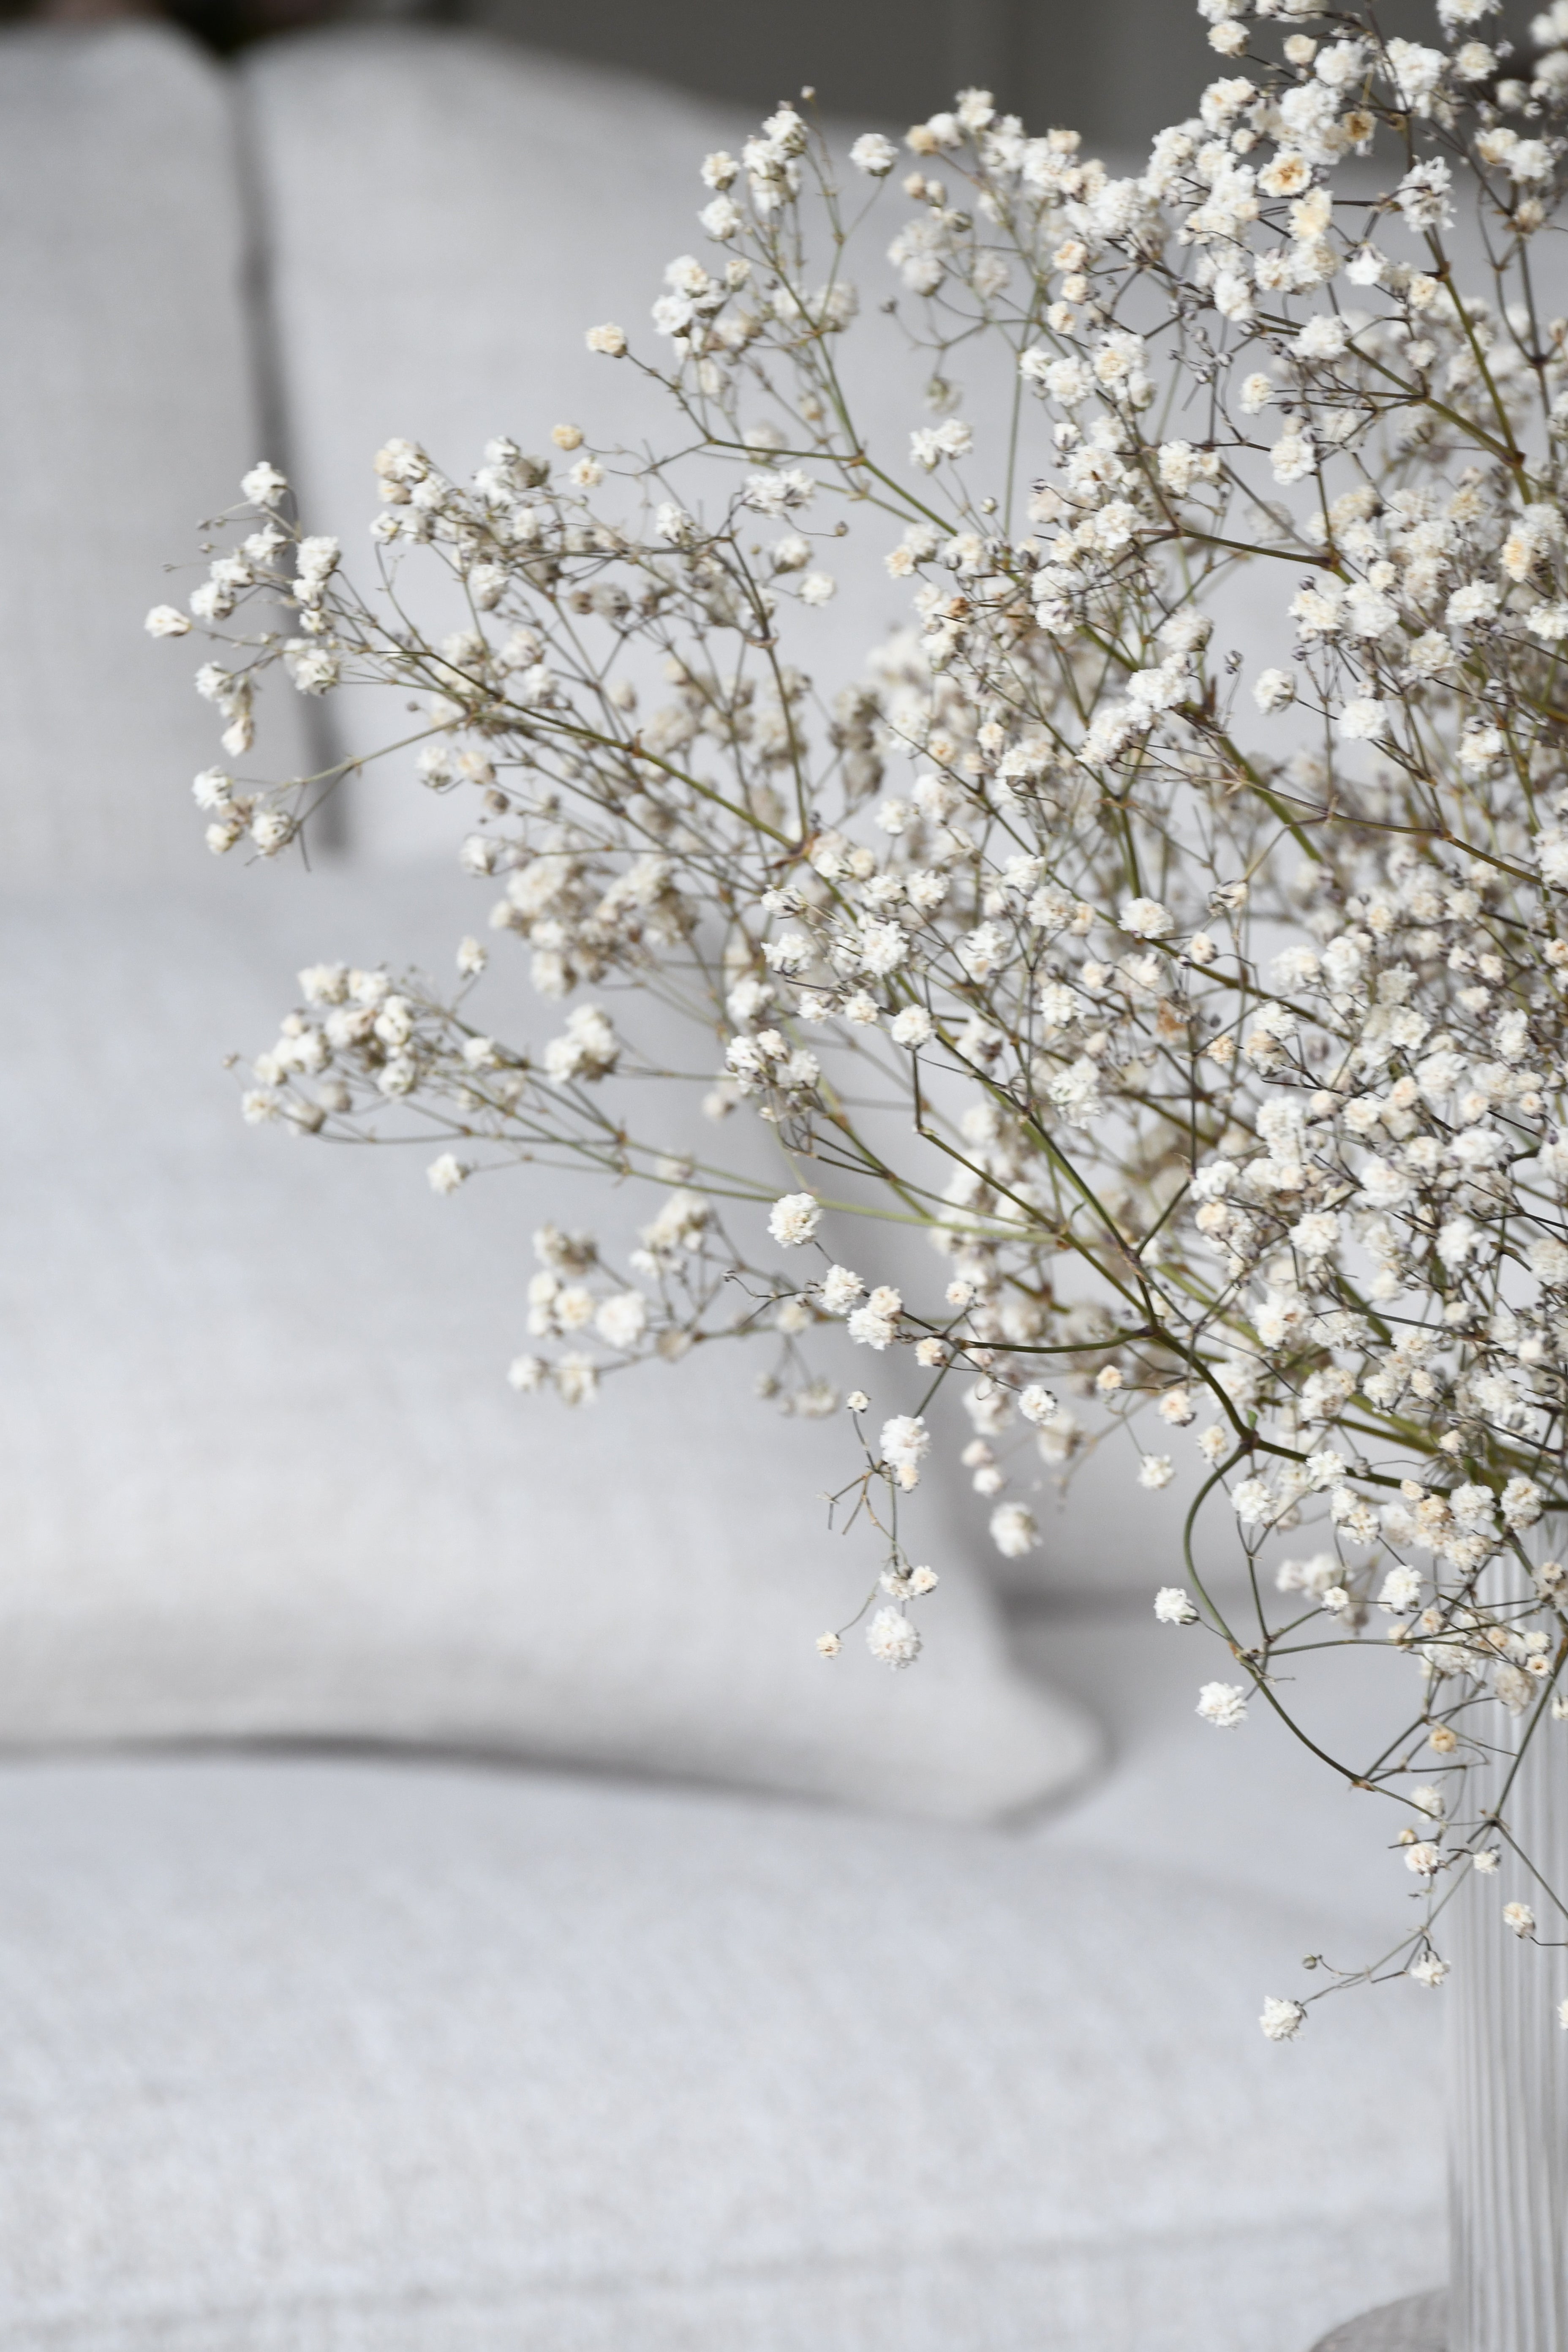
{"x": 1201, "y": 1005}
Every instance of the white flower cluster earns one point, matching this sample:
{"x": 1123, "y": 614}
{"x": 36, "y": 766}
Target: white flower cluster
{"x": 1213, "y": 1027}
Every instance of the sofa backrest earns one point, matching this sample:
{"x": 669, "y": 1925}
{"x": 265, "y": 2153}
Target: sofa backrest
{"x": 446, "y": 214}
{"x": 128, "y": 386}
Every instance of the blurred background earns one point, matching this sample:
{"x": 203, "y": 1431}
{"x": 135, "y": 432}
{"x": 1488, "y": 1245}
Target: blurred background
{"x": 1117, "y": 70}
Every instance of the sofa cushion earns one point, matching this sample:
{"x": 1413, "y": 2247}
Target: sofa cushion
{"x": 308, "y": 2055}
{"x": 128, "y": 387}
{"x": 264, "y": 1473}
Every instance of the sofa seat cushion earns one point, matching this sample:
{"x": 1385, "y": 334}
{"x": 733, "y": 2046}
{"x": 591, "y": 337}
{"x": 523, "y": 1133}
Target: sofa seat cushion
{"x": 339, "y": 2055}
{"x": 264, "y": 1473}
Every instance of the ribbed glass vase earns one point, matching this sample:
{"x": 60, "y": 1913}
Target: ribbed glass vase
{"x": 1509, "y": 2067}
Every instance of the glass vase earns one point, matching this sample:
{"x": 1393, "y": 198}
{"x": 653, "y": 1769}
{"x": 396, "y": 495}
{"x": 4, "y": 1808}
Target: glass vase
{"x": 1508, "y": 2063}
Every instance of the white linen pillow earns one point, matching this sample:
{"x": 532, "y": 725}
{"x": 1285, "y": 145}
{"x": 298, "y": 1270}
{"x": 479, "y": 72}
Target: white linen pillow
{"x": 266, "y": 1478}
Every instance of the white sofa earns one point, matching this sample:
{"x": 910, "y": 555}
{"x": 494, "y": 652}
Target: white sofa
{"x": 443, "y": 1903}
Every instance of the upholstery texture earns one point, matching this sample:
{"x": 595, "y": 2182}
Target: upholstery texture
{"x": 264, "y": 1472}
{"x": 315, "y": 2056}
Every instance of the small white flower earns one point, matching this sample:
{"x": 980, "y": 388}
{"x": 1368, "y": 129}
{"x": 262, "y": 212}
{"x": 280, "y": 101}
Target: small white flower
{"x": 828, "y": 1644}
{"x": 874, "y": 155}
{"x": 621, "y": 1320}
{"x": 1520, "y": 1917}
{"x": 1146, "y": 918}
{"x": 609, "y": 341}
{"x": 1429, "y": 1971}
{"x": 1037, "y": 1405}
{"x": 904, "y": 1444}
{"x": 1156, "y": 1470}
{"x": 1252, "y": 1501}
{"x": 446, "y": 1173}
{"x": 576, "y": 1380}
{"x": 1282, "y": 2020}
{"x": 893, "y": 1638}
{"x": 839, "y": 1290}
{"x": 818, "y": 588}
{"x": 1293, "y": 458}
{"x": 1014, "y": 1531}
{"x": 166, "y": 621}
{"x": 1471, "y": 604}
{"x": 263, "y": 485}
{"x": 1422, "y": 194}
{"x": 876, "y": 1325}
{"x": 1224, "y": 1704}
{"x": 1172, "y": 1607}
{"x": 883, "y": 946}
{"x": 912, "y": 1026}
{"x": 722, "y": 218}
{"x": 794, "y": 1218}
{"x": 1521, "y": 1503}
{"x": 588, "y": 1050}
{"x": 1273, "y": 689}
{"x": 1323, "y": 337}
{"x": 1363, "y": 720}
{"x": 317, "y": 559}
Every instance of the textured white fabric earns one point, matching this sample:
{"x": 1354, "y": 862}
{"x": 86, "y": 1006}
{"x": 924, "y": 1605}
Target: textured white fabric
{"x": 263, "y": 1470}
{"x": 127, "y": 388}
{"x": 331, "y": 2057}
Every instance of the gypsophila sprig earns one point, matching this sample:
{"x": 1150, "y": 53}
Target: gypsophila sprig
{"x": 1206, "y": 1015}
